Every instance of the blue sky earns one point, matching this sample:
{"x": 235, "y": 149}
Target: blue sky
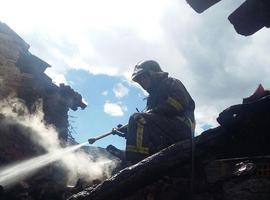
{"x": 99, "y": 91}
{"x": 93, "y": 46}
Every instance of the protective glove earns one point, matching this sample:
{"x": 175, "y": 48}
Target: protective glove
{"x": 116, "y": 131}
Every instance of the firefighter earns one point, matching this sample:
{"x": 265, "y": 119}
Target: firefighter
{"x": 169, "y": 115}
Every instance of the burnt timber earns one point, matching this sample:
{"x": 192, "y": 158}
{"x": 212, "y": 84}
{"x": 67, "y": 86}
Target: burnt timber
{"x": 249, "y": 18}
{"x": 231, "y": 162}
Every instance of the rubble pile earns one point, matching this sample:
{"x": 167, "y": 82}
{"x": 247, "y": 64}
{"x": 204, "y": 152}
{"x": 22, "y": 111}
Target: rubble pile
{"x": 232, "y": 161}
{"x": 22, "y": 78}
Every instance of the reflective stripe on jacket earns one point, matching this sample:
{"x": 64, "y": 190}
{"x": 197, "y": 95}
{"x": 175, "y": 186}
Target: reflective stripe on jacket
{"x": 169, "y": 97}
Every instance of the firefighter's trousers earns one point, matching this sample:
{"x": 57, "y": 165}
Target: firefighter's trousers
{"x": 148, "y": 133}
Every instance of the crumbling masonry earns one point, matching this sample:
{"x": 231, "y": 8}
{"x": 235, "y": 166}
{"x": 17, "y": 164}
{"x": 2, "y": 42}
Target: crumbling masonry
{"x": 22, "y": 76}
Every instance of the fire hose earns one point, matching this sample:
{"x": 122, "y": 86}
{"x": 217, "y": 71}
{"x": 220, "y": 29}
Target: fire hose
{"x": 115, "y": 131}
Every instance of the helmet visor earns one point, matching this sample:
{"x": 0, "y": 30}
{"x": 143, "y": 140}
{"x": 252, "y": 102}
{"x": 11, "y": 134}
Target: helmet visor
{"x": 137, "y": 73}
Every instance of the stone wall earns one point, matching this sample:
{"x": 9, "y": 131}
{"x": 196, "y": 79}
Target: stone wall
{"x": 11, "y": 46}
{"x": 22, "y": 77}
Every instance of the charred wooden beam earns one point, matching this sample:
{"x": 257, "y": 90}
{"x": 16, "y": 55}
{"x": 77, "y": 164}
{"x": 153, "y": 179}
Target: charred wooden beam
{"x": 174, "y": 158}
{"x": 218, "y": 143}
{"x": 137, "y": 176}
{"x": 201, "y": 5}
{"x": 251, "y": 16}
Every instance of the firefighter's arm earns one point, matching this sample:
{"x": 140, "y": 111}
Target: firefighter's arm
{"x": 176, "y": 101}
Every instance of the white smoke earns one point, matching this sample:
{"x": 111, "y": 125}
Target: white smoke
{"x": 16, "y": 112}
{"x": 1, "y": 82}
{"x": 76, "y": 164}
{"x": 79, "y": 164}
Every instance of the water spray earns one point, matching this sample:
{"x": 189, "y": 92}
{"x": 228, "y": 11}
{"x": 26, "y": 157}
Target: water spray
{"x": 13, "y": 173}
{"x": 76, "y": 164}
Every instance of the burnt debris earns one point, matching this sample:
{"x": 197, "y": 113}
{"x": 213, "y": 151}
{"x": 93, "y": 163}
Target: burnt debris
{"x": 22, "y": 78}
{"x": 249, "y": 18}
{"x": 232, "y": 161}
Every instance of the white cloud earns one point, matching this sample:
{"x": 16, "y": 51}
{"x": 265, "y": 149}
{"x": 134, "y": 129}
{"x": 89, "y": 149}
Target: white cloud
{"x": 218, "y": 66}
{"x": 84, "y": 101}
{"x": 120, "y": 90}
{"x": 105, "y": 93}
{"x": 57, "y": 78}
{"x": 114, "y": 109}
{"x": 86, "y": 38}
{"x": 205, "y": 115}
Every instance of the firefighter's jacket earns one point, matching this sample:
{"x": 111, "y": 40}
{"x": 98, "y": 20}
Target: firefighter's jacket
{"x": 169, "y": 97}
{"x": 169, "y": 118}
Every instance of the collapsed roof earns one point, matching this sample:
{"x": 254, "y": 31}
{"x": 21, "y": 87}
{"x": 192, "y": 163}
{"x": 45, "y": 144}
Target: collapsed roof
{"x": 231, "y": 162}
